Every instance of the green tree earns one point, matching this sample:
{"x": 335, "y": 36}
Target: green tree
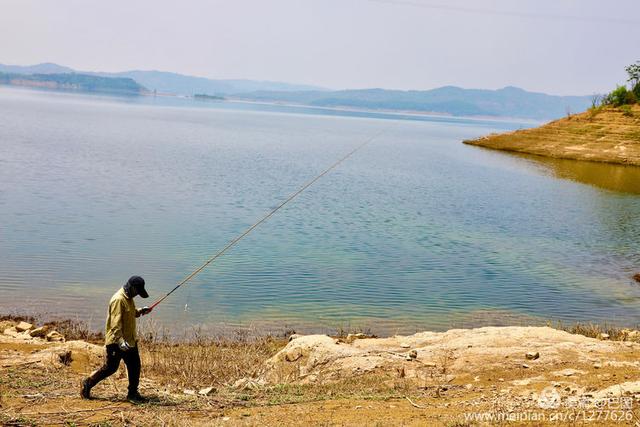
{"x": 634, "y": 74}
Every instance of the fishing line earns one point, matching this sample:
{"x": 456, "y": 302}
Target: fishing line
{"x": 266, "y": 217}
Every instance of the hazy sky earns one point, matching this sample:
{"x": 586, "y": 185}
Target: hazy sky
{"x": 555, "y": 46}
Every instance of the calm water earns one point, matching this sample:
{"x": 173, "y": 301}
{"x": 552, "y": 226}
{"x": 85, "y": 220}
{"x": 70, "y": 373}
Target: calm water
{"x": 415, "y": 231}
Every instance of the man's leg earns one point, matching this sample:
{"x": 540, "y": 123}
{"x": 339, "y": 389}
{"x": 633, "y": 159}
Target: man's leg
{"x": 132, "y": 360}
{"x": 111, "y": 363}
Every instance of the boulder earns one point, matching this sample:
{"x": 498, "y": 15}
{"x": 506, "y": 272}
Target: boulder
{"x": 24, "y": 326}
{"x": 40, "y": 332}
{"x": 55, "y": 336}
{"x": 12, "y": 332}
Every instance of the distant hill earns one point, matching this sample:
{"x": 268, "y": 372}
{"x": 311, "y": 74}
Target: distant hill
{"x": 180, "y": 84}
{"x": 507, "y": 102}
{"x": 74, "y": 82}
{"x": 173, "y": 83}
{"x": 44, "y": 68}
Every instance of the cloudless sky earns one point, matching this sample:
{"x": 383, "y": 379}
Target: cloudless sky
{"x": 553, "y": 46}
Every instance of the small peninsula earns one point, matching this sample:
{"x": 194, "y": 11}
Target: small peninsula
{"x": 608, "y": 135}
{"x": 608, "y": 132}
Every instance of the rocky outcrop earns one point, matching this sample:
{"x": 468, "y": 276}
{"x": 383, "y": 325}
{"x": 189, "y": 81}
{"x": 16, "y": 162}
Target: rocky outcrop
{"x": 319, "y": 358}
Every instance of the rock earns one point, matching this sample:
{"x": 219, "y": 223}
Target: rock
{"x": 24, "y": 326}
{"x": 603, "y": 336}
{"x": 189, "y": 392}
{"x": 405, "y": 345}
{"x": 597, "y": 365}
{"x": 623, "y": 389}
{"x": 206, "y": 391}
{"x": 412, "y": 355}
{"x": 532, "y": 355}
{"x": 40, "y": 332}
{"x": 55, "y": 336}
{"x": 525, "y": 366}
{"x": 12, "y": 332}
{"x": 319, "y": 358}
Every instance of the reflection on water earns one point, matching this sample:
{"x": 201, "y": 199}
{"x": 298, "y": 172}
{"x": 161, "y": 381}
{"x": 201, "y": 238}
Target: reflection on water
{"x": 621, "y": 178}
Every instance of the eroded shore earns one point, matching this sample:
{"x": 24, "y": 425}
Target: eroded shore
{"x": 604, "y": 134}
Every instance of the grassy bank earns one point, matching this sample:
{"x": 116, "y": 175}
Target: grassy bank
{"x": 602, "y": 134}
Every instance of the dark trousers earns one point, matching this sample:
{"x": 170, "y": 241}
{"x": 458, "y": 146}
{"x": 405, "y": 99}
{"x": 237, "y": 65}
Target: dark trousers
{"x": 114, "y": 356}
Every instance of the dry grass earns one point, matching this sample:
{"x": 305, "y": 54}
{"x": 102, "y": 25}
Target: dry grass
{"x": 593, "y": 330}
{"x": 210, "y": 362}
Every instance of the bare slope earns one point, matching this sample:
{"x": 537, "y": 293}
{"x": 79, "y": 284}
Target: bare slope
{"x": 603, "y": 135}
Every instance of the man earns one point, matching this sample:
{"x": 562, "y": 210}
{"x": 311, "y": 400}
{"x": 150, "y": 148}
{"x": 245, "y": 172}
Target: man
{"x": 120, "y": 339}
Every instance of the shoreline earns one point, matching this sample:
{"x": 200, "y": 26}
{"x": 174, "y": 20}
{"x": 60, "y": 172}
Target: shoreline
{"x": 428, "y": 378}
{"x": 605, "y": 135}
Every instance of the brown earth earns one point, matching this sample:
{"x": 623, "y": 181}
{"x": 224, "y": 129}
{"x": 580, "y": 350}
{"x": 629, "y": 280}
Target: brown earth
{"x": 535, "y": 375}
{"x": 603, "y": 134}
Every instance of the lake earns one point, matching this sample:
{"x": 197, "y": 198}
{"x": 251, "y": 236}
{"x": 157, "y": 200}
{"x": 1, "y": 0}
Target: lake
{"x": 416, "y": 231}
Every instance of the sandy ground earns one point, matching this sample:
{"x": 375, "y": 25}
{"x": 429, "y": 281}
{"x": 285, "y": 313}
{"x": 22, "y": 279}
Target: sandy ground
{"x": 484, "y": 376}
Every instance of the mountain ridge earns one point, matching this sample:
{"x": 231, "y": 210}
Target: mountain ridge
{"x": 509, "y": 101}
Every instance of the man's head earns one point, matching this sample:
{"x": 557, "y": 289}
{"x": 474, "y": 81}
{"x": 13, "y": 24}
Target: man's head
{"x": 135, "y": 286}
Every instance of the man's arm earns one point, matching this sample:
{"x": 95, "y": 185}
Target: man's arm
{"x": 115, "y": 316}
{"x": 142, "y": 311}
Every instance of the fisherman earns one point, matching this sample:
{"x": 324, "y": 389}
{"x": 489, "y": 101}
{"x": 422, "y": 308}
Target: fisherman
{"x": 120, "y": 339}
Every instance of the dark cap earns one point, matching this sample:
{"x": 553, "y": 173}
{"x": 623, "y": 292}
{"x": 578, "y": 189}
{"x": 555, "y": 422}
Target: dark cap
{"x": 137, "y": 283}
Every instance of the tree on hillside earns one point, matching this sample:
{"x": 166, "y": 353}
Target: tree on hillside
{"x": 634, "y": 74}
{"x": 634, "y": 78}
{"x": 621, "y": 95}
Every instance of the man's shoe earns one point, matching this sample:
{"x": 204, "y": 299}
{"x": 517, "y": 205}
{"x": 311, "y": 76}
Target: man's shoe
{"x": 85, "y": 391}
{"x": 136, "y": 398}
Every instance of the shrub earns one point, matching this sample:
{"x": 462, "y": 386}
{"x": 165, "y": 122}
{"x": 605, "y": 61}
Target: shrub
{"x": 618, "y": 97}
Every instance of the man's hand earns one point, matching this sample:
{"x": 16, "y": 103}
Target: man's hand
{"x": 145, "y": 310}
{"x": 124, "y": 346}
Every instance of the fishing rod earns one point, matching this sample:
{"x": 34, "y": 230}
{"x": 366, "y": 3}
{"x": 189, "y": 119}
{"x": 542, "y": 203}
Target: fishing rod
{"x": 264, "y": 218}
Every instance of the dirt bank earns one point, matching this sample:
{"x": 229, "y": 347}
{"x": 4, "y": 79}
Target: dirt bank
{"x": 484, "y": 376}
{"x": 604, "y": 134}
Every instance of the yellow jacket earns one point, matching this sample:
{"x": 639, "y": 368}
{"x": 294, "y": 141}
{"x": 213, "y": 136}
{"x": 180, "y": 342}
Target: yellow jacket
{"x": 121, "y": 319}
